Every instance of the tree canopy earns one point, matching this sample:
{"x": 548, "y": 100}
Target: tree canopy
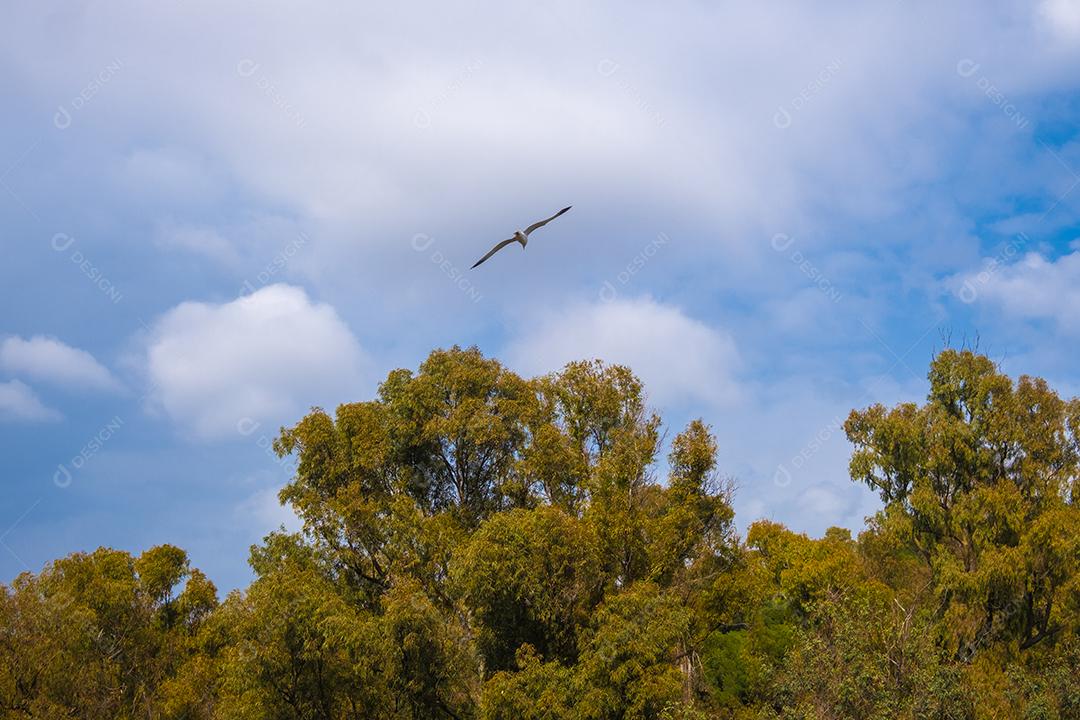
{"x": 481, "y": 545}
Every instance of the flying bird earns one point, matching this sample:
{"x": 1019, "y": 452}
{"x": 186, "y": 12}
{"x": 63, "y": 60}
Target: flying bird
{"x": 520, "y": 237}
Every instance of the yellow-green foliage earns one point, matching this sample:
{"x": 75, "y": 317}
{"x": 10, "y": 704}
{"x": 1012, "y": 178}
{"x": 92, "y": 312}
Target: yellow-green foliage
{"x": 481, "y": 545}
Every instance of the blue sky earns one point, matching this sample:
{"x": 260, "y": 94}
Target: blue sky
{"x": 217, "y": 215}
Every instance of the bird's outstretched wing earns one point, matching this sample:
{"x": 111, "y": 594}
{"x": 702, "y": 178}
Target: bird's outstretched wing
{"x": 494, "y": 250}
{"x": 542, "y": 223}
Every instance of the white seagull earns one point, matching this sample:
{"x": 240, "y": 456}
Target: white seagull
{"x": 521, "y": 237}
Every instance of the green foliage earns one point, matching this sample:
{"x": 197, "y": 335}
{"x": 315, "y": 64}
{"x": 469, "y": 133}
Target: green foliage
{"x": 633, "y": 660}
{"x": 529, "y": 577}
{"x": 97, "y": 635}
{"x": 981, "y": 483}
{"x": 533, "y": 690}
{"x": 159, "y": 570}
{"x": 481, "y": 545}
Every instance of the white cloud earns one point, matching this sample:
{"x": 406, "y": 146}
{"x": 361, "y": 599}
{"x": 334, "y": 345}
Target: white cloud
{"x": 680, "y": 360}
{"x": 1033, "y": 288}
{"x": 1063, "y": 17}
{"x": 266, "y": 357}
{"x": 200, "y": 240}
{"x": 18, "y": 402}
{"x": 167, "y": 176}
{"x": 822, "y": 503}
{"x": 50, "y": 360}
{"x": 607, "y": 115}
{"x": 264, "y": 512}
{"x": 785, "y": 443}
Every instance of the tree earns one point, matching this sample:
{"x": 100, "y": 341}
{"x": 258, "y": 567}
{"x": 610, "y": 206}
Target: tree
{"x": 529, "y": 577}
{"x": 481, "y": 545}
{"x": 981, "y": 483}
{"x": 96, "y": 635}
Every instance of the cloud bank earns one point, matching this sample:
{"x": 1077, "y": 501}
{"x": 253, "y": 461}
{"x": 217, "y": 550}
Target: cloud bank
{"x": 19, "y": 403}
{"x": 262, "y": 358}
{"x": 50, "y": 360}
{"x": 682, "y": 361}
